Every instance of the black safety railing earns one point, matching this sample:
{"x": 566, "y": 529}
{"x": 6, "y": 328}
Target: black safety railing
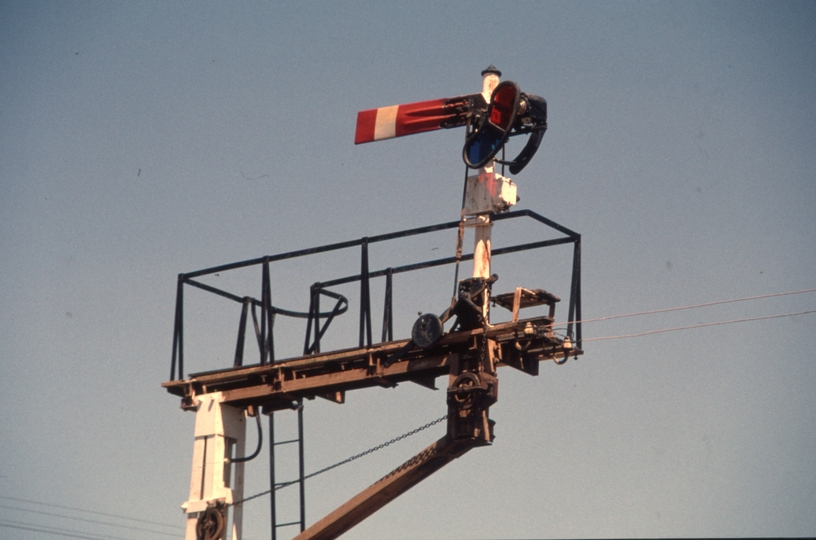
{"x": 317, "y": 322}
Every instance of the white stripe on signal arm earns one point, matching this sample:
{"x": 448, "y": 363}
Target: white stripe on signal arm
{"x": 385, "y": 126}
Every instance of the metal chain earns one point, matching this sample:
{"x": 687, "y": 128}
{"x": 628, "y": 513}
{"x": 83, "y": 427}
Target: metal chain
{"x": 347, "y": 460}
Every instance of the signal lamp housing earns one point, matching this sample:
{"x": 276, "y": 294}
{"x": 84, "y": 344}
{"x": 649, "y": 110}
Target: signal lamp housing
{"x": 485, "y": 142}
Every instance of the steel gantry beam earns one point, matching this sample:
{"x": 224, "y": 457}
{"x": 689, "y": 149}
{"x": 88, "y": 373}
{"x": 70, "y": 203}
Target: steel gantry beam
{"x": 521, "y": 344}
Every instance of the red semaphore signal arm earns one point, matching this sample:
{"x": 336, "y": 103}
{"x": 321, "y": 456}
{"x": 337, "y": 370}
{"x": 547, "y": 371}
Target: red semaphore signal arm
{"x": 419, "y": 117}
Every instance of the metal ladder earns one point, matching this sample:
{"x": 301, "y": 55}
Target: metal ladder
{"x": 274, "y": 484}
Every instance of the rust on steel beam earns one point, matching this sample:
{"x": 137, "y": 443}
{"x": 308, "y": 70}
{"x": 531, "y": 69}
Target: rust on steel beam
{"x": 352, "y": 378}
{"x": 521, "y": 344}
{"x": 388, "y": 488}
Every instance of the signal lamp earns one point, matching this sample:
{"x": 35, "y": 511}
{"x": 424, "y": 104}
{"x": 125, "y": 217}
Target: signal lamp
{"x": 486, "y": 141}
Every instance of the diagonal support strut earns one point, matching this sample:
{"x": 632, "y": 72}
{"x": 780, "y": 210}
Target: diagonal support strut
{"x": 388, "y": 488}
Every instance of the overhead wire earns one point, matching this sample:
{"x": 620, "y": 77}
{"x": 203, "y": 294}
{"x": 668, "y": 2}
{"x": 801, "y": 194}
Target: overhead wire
{"x": 622, "y": 336}
{"x": 90, "y": 512}
{"x": 699, "y": 325}
{"x": 57, "y": 531}
{"x": 561, "y": 325}
{"x": 693, "y": 306}
{"x": 343, "y": 462}
{"x": 87, "y": 520}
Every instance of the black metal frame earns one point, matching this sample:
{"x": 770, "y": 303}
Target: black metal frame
{"x": 314, "y": 329}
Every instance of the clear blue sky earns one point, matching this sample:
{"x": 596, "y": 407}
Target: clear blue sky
{"x": 140, "y": 140}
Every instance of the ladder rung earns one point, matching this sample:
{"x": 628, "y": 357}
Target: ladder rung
{"x": 286, "y": 442}
{"x": 290, "y": 483}
{"x": 288, "y": 524}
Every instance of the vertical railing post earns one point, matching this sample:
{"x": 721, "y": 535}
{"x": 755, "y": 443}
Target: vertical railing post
{"x": 310, "y": 346}
{"x": 388, "y": 318}
{"x": 365, "y": 298}
{"x": 309, "y": 321}
{"x": 267, "y": 316}
{"x": 316, "y": 345}
{"x": 575, "y": 293}
{"x": 578, "y": 316}
{"x": 178, "y": 332}
{"x": 239, "y": 346}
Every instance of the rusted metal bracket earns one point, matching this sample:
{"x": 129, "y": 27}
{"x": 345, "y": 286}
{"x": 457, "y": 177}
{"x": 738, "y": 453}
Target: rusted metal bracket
{"x": 521, "y": 344}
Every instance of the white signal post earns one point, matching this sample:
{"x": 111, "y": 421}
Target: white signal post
{"x": 487, "y": 192}
{"x": 215, "y": 480}
{"x": 481, "y": 247}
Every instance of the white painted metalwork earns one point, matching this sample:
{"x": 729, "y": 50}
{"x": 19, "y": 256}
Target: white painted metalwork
{"x": 219, "y": 429}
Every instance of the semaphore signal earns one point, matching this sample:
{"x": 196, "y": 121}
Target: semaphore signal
{"x": 459, "y": 342}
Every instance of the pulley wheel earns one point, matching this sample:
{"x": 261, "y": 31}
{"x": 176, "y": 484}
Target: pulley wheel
{"x": 210, "y": 525}
{"x": 427, "y": 330}
{"x": 461, "y": 394}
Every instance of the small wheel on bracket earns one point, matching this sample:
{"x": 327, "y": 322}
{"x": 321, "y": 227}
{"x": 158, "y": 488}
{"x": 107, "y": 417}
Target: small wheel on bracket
{"x": 462, "y": 392}
{"x": 427, "y": 330}
{"x": 210, "y": 525}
